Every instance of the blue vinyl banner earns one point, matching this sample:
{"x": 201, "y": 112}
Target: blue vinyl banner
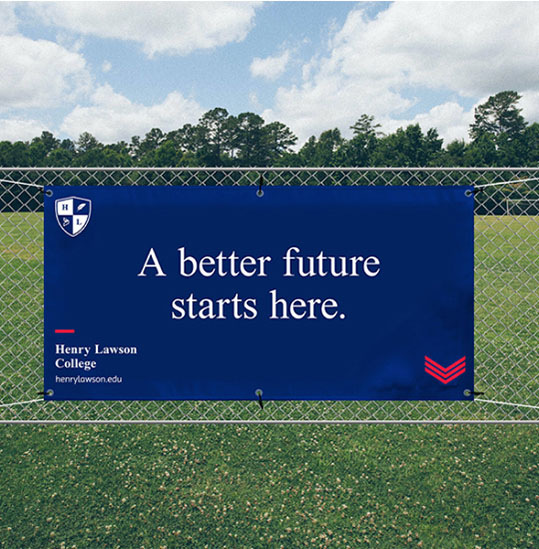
{"x": 213, "y": 293}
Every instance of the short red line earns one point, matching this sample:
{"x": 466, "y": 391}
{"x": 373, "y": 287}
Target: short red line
{"x": 64, "y": 331}
{"x": 457, "y": 362}
{"x": 434, "y": 363}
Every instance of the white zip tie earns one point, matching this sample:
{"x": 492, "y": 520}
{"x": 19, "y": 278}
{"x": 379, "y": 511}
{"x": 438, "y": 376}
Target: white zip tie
{"x": 22, "y": 183}
{"x": 23, "y": 402}
{"x": 507, "y": 403}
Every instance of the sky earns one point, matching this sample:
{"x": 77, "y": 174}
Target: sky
{"x": 119, "y": 69}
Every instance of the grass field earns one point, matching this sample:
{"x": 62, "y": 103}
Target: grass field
{"x": 271, "y": 486}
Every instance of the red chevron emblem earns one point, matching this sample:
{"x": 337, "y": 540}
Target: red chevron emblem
{"x": 445, "y": 375}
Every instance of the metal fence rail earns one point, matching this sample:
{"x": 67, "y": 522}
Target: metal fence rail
{"x": 506, "y": 298}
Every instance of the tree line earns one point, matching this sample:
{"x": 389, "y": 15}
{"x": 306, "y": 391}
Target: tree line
{"x": 499, "y": 136}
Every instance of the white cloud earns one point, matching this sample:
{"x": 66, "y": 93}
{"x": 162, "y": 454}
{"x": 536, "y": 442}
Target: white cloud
{"x": 465, "y": 49}
{"x": 113, "y": 117}
{"x": 38, "y": 73}
{"x": 328, "y": 101}
{"x": 253, "y": 100}
{"x": 530, "y": 105}
{"x": 13, "y": 129}
{"x": 107, "y": 66}
{"x": 450, "y": 119}
{"x": 160, "y": 27}
{"x": 472, "y": 47}
{"x": 270, "y": 67}
{"x": 8, "y": 18}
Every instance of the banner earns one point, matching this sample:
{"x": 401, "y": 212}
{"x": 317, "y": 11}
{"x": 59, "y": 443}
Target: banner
{"x": 215, "y": 293}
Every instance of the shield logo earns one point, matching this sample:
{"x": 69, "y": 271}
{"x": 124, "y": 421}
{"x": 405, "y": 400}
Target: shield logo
{"x": 73, "y": 214}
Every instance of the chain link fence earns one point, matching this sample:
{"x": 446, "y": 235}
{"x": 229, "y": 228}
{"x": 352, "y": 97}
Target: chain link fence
{"x": 506, "y": 299}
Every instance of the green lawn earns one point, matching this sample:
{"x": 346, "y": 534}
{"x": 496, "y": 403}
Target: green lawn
{"x": 269, "y": 486}
{"x": 279, "y": 485}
